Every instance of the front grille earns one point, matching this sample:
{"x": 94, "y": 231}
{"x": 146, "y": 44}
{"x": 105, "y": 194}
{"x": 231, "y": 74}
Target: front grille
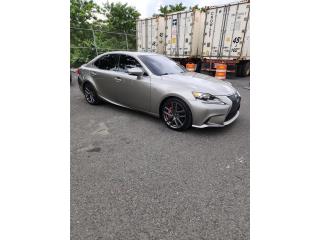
{"x": 236, "y": 99}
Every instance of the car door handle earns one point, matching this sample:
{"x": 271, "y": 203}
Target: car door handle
{"x": 93, "y": 73}
{"x": 118, "y": 79}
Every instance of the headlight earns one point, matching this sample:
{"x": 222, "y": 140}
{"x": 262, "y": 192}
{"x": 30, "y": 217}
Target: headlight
{"x": 207, "y": 98}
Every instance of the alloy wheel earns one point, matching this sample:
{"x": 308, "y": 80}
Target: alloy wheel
{"x": 174, "y": 114}
{"x": 89, "y": 94}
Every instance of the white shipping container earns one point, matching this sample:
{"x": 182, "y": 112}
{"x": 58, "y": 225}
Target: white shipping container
{"x": 184, "y": 33}
{"x": 150, "y": 34}
{"x": 226, "y": 32}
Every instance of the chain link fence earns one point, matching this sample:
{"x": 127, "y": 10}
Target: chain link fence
{"x": 88, "y": 43}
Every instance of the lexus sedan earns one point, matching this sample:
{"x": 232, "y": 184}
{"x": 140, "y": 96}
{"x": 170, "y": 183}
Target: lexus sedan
{"x": 155, "y": 84}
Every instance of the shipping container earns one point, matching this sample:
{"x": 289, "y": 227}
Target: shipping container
{"x": 227, "y": 37}
{"x": 183, "y": 34}
{"x": 219, "y": 34}
{"x": 225, "y": 31}
{"x": 150, "y": 34}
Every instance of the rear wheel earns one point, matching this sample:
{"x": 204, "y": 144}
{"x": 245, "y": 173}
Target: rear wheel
{"x": 90, "y": 94}
{"x": 246, "y": 69}
{"x": 176, "y": 114}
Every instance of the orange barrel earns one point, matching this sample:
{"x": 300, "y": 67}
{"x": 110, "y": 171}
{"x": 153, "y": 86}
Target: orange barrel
{"x": 221, "y": 71}
{"x": 191, "y": 67}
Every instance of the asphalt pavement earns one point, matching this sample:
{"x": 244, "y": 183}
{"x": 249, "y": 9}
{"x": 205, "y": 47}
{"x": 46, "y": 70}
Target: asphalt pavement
{"x": 133, "y": 178}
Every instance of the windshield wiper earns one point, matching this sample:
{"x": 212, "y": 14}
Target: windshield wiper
{"x": 164, "y": 74}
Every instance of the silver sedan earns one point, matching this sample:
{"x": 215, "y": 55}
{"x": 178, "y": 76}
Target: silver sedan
{"x": 155, "y": 84}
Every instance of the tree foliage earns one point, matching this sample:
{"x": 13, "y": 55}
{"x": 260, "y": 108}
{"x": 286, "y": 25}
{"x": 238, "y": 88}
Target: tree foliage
{"x": 171, "y": 8}
{"x": 120, "y": 17}
{"x": 86, "y": 15}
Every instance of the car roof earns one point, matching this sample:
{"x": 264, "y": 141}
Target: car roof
{"x": 132, "y": 53}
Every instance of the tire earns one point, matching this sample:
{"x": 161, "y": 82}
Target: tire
{"x": 176, "y": 114}
{"x": 90, "y": 94}
{"x": 245, "y": 69}
{"x": 239, "y": 68}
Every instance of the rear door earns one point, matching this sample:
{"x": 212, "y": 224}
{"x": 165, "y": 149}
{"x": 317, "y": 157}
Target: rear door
{"x": 106, "y": 76}
{"x": 136, "y": 92}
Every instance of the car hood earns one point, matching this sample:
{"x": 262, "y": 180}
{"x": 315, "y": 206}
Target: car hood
{"x": 202, "y": 83}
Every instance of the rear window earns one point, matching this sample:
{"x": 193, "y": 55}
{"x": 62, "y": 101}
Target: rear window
{"x": 107, "y": 62}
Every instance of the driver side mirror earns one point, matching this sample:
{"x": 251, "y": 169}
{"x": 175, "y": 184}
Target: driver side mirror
{"x": 136, "y": 72}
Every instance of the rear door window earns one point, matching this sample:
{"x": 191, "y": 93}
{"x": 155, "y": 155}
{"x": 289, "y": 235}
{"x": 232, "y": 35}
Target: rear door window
{"x": 108, "y": 62}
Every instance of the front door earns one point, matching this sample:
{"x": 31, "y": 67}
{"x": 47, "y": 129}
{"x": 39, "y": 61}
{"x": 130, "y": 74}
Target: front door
{"x": 136, "y": 90}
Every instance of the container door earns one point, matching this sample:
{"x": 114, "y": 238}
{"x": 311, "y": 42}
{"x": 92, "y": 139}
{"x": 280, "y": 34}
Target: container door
{"x": 181, "y": 32}
{"x": 245, "y": 52}
{"x": 174, "y": 34}
{"x": 235, "y": 27}
{"x": 241, "y": 34}
{"x": 212, "y": 44}
{"x": 144, "y": 35}
{"x": 139, "y": 47}
{"x": 168, "y": 34}
{"x": 160, "y": 35}
{"x": 154, "y": 30}
{"x": 149, "y": 35}
{"x": 188, "y": 34}
{"x": 209, "y": 32}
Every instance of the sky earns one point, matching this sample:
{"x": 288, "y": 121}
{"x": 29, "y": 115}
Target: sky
{"x": 149, "y": 7}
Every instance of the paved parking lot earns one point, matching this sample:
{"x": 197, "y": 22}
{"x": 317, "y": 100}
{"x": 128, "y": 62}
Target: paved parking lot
{"x": 133, "y": 178}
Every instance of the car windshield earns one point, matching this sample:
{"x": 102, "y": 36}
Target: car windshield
{"x": 161, "y": 65}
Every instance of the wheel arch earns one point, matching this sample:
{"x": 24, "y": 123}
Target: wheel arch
{"x": 88, "y": 82}
{"x": 173, "y": 96}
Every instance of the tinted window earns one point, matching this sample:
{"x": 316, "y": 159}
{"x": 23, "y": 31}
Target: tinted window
{"x": 107, "y": 62}
{"x": 161, "y": 65}
{"x": 127, "y": 62}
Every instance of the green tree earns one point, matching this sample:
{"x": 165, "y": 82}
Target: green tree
{"x": 82, "y": 15}
{"x": 171, "y": 8}
{"x": 119, "y": 18}
{"x": 82, "y": 12}
{"x": 196, "y": 7}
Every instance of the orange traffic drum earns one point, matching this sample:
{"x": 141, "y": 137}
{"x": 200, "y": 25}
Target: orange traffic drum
{"x": 191, "y": 67}
{"x": 221, "y": 71}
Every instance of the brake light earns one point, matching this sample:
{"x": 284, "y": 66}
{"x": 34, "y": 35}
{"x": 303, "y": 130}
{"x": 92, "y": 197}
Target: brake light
{"x": 78, "y": 71}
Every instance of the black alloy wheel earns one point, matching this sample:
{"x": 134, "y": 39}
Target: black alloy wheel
{"x": 176, "y": 114}
{"x": 90, "y": 94}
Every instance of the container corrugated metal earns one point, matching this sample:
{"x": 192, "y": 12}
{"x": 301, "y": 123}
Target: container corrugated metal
{"x": 245, "y": 54}
{"x": 150, "y": 34}
{"x": 183, "y": 33}
{"x": 226, "y": 32}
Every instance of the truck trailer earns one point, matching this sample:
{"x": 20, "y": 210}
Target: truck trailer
{"x": 219, "y": 34}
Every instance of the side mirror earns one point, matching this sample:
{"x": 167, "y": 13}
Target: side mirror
{"x": 135, "y": 71}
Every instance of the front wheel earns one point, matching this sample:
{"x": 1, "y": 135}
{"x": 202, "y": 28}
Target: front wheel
{"x": 176, "y": 114}
{"x": 90, "y": 94}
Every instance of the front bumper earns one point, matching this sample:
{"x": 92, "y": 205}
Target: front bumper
{"x": 215, "y": 115}
{"x": 218, "y": 124}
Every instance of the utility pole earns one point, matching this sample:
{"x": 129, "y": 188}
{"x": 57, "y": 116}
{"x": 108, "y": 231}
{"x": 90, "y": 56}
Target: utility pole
{"x": 126, "y": 40}
{"x": 94, "y": 41}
